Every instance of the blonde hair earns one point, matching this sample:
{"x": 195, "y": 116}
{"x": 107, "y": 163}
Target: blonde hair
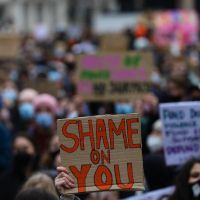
{"x": 42, "y": 181}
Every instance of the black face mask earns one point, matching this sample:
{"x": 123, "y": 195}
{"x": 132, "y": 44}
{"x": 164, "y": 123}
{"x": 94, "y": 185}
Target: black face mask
{"x": 23, "y": 160}
{"x": 70, "y": 66}
{"x": 54, "y": 153}
{"x": 195, "y": 190}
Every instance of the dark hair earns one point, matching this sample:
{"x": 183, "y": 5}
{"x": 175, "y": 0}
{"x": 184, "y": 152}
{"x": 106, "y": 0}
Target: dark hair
{"x": 35, "y": 194}
{"x": 182, "y": 191}
{"x": 27, "y": 137}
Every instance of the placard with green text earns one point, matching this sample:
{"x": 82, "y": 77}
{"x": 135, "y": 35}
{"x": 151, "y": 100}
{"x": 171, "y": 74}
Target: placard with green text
{"x": 114, "y": 76}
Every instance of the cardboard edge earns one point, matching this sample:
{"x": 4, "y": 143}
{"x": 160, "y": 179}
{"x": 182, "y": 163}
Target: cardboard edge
{"x": 101, "y": 116}
{"x": 136, "y": 187}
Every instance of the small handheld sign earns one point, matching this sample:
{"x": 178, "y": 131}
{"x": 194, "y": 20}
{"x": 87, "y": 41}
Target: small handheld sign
{"x": 102, "y": 152}
{"x": 181, "y": 131}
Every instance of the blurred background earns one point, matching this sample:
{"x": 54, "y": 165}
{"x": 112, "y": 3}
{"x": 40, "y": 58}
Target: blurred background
{"x": 39, "y": 44}
{"x": 25, "y": 15}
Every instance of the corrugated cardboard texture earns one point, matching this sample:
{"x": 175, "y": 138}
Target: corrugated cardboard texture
{"x": 118, "y": 156}
{"x": 114, "y": 76}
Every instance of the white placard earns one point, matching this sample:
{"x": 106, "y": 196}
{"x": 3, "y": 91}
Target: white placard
{"x": 114, "y": 23}
{"x": 181, "y": 131}
{"x": 154, "y": 195}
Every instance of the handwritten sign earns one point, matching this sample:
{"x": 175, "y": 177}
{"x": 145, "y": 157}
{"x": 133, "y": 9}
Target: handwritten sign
{"x": 154, "y": 195}
{"x": 9, "y": 46}
{"x": 114, "y": 76}
{"x": 102, "y": 152}
{"x": 181, "y": 131}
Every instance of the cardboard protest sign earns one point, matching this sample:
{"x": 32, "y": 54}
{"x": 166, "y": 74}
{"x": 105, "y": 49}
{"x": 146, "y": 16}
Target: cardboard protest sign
{"x": 42, "y": 86}
{"x": 108, "y": 42}
{"x": 181, "y": 131}
{"x": 114, "y": 76}
{"x": 154, "y": 195}
{"x": 9, "y": 46}
{"x": 102, "y": 152}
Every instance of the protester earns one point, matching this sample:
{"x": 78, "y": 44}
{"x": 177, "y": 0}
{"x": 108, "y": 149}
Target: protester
{"x": 23, "y": 113}
{"x": 157, "y": 174}
{"x": 45, "y": 107}
{"x": 188, "y": 182}
{"x": 24, "y": 164}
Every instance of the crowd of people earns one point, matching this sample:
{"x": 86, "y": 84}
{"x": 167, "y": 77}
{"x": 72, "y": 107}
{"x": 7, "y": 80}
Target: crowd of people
{"x": 39, "y": 87}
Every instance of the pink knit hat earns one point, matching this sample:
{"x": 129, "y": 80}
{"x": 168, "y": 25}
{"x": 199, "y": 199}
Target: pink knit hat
{"x": 46, "y": 100}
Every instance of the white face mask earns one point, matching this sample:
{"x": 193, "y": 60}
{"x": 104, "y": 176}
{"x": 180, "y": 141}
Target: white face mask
{"x": 154, "y": 143}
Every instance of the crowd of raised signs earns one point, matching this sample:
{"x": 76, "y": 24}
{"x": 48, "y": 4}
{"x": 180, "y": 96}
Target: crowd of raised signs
{"x": 39, "y": 87}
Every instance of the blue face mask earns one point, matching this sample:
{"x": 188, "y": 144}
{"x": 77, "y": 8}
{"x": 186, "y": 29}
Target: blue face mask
{"x": 123, "y": 108}
{"x": 54, "y": 76}
{"x": 44, "y": 119}
{"x": 9, "y": 94}
{"x": 26, "y": 111}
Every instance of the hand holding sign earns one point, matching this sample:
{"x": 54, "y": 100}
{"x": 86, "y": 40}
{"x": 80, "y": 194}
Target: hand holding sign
{"x": 63, "y": 180}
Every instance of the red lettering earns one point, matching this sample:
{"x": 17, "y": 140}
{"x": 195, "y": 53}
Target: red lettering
{"x": 86, "y": 134}
{"x": 131, "y": 132}
{"x": 105, "y": 157}
{"x": 95, "y": 157}
{"x": 121, "y": 185}
{"x": 117, "y": 131}
{"x": 101, "y": 134}
{"x": 80, "y": 176}
{"x": 99, "y": 183}
{"x": 69, "y": 135}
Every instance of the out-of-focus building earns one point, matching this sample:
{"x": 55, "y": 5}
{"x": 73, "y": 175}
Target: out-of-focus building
{"x": 24, "y": 15}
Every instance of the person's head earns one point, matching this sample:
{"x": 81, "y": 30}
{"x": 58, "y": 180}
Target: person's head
{"x": 25, "y": 101}
{"x": 9, "y": 94}
{"x": 23, "y": 143}
{"x": 155, "y": 139}
{"x": 40, "y": 181}
{"x": 177, "y": 87}
{"x": 35, "y": 194}
{"x": 45, "y": 110}
{"x": 24, "y": 153}
{"x": 188, "y": 177}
